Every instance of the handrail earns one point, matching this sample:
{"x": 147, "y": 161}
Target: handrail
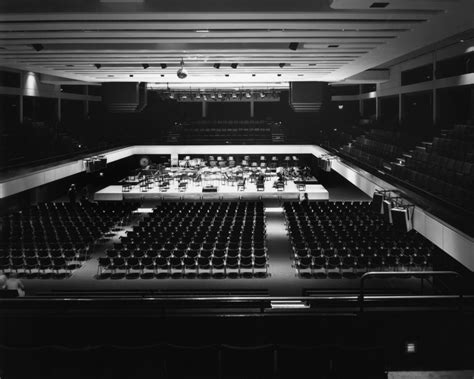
{"x": 421, "y": 274}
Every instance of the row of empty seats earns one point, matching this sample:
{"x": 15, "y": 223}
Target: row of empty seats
{"x": 348, "y": 237}
{"x": 55, "y": 238}
{"x": 194, "y": 238}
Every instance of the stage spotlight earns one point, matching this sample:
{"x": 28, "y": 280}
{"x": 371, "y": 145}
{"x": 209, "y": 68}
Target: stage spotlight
{"x": 248, "y": 95}
{"x": 163, "y": 65}
{"x": 293, "y": 46}
{"x": 234, "y": 95}
{"x": 182, "y": 73}
{"x": 98, "y": 65}
{"x": 145, "y": 65}
{"x": 262, "y": 95}
{"x": 281, "y": 65}
{"x": 217, "y": 65}
{"x": 38, "y": 46}
{"x": 234, "y": 65}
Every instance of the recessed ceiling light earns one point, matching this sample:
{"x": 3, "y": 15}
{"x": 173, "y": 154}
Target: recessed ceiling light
{"x": 131, "y": 75}
{"x": 145, "y": 65}
{"x": 226, "y": 74}
{"x": 97, "y": 65}
{"x": 379, "y": 4}
{"x": 162, "y": 75}
{"x": 234, "y": 65}
{"x": 333, "y": 46}
{"x": 278, "y": 74}
{"x": 253, "y": 74}
{"x": 163, "y": 65}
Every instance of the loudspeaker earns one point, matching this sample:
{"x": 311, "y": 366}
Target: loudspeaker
{"x": 293, "y": 46}
{"x": 401, "y": 219}
{"x": 387, "y": 211}
{"x": 377, "y": 201}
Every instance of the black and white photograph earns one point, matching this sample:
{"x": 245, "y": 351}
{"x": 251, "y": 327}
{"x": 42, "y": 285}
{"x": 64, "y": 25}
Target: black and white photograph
{"x": 236, "y": 189}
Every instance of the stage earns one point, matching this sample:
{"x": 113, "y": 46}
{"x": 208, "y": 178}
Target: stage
{"x": 194, "y": 192}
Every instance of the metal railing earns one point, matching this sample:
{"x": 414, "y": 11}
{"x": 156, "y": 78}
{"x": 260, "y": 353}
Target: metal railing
{"x": 421, "y": 274}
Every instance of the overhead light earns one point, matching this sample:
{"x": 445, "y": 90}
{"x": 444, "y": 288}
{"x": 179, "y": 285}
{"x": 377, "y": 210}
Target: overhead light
{"x": 217, "y": 65}
{"x": 97, "y": 65}
{"x": 227, "y": 75}
{"x": 234, "y": 95}
{"x": 234, "y": 65}
{"x": 333, "y": 46}
{"x": 278, "y": 74}
{"x": 340, "y": 106}
{"x": 145, "y": 65}
{"x": 202, "y": 31}
{"x": 163, "y": 65}
{"x": 248, "y": 95}
{"x": 293, "y": 46}
{"x": 253, "y": 74}
{"x": 262, "y": 95}
{"x": 162, "y": 75}
{"x": 182, "y": 73}
{"x": 281, "y": 65}
{"x": 379, "y": 4}
{"x": 131, "y": 75}
{"x": 38, "y": 46}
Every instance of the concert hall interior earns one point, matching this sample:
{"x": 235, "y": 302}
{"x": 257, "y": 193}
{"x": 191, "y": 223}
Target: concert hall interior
{"x": 229, "y": 190}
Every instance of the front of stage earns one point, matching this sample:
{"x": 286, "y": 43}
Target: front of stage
{"x": 194, "y": 192}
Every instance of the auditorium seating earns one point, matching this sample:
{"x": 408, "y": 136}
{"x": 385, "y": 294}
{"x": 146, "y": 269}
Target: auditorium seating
{"x": 443, "y": 167}
{"x": 193, "y": 240}
{"x": 54, "y": 238}
{"x": 348, "y": 238}
{"x": 378, "y": 148}
{"x": 225, "y": 131}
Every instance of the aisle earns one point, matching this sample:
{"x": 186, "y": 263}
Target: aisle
{"x": 279, "y": 248}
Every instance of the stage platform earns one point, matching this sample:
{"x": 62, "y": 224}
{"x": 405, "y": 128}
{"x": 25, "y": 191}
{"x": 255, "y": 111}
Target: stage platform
{"x": 195, "y": 192}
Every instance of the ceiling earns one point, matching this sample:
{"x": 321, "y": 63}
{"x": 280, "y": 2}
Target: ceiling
{"x": 336, "y": 39}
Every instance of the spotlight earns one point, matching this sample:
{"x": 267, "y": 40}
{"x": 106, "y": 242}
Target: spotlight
{"x": 281, "y": 65}
{"x": 248, "y": 95}
{"x": 98, "y": 65}
{"x": 131, "y": 75}
{"x": 234, "y": 95}
{"x": 38, "y": 46}
{"x": 340, "y": 106}
{"x": 198, "y": 96}
{"x": 262, "y": 95}
{"x": 182, "y": 73}
{"x": 293, "y": 46}
{"x": 163, "y": 65}
{"x": 217, "y": 65}
{"x": 234, "y": 65}
{"x": 145, "y": 65}
{"x": 219, "y": 95}
{"x": 253, "y": 74}
{"x": 171, "y": 95}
